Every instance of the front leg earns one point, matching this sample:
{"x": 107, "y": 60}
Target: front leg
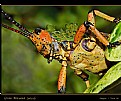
{"x": 79, "y": 34}
{"x": 90, "y": 24}
{"x": 93, "y": 13}
{"x": 62, "y": 77}
{"x": 93, "y": 29}
{"x": 91, "y": 19}
{"x": 100, "y": 37}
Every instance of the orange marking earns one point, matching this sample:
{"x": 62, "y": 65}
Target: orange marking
{"x": 62, "y": 78}
{"x": 79, "y": 34}
{"x": 46, "y": 35}
{"x": 43, "y": 38}
{"x": 91, "y": 18}
{"x": 99, "y": 36}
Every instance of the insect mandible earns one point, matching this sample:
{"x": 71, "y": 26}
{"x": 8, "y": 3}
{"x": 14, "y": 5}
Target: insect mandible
{"x": 83, "y": 53}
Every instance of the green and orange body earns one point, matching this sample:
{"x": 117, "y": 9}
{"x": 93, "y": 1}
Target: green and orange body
{"x": 83, "y": 53}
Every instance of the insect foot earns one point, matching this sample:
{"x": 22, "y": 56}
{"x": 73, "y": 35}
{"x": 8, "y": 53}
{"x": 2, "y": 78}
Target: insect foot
{"x": 62, "y": 90}
{"x": 117, "y": 20}
{"x": 114, "y": 44}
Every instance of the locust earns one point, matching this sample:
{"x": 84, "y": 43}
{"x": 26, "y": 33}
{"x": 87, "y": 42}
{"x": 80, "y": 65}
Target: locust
{"x": 80, "y": 53}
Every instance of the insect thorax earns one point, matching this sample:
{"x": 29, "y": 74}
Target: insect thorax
{"x": 85, "y": 58}
{"x": 59, "y": 50}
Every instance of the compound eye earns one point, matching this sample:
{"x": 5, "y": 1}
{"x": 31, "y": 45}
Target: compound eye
{"x": 37, "y": 30}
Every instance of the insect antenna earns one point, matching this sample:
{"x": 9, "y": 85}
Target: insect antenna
{"x": 13, "y": 29}
{"x": 22, "y": 28}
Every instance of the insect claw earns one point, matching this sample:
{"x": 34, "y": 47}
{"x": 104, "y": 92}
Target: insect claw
{"x": 87, "y": 83}
{"x": 49, "y": 61}
{"x": 59, "y": 92}
{"x": 117, "y": 43}
{"x": 117, "y": 20}
{"x": 62, "y": 90}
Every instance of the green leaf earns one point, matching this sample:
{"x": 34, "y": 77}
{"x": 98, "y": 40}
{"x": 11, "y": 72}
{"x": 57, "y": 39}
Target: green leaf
{"x": 116, "y": 34}
{"x": 113, "y": 74}
{"x": 114, "y": 54}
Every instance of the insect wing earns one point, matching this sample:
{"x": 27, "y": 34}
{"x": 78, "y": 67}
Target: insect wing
{"x": 114, "y": 54}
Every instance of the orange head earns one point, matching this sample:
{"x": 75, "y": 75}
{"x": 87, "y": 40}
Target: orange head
{"x": 42, "y": 40}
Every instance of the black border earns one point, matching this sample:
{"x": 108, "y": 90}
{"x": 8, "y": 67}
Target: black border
{"x": 60, "y": 2}
{"x": 34, "y": 97}
{"x": 94, "y": 97}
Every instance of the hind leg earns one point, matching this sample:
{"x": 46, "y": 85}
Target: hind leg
{"x": 84, "y": 76}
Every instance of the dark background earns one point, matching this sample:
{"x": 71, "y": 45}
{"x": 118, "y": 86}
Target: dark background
{"x": 26, "y": 71}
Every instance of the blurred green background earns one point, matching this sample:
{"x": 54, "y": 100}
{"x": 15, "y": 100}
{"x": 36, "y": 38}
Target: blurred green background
{"x": 26, "y": 71}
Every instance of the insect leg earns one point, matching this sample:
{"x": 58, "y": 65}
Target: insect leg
{"x": 114, "y": 44}
{"x": 91, "y": 24}
{"x": 91, "y": 18}
{"x": 79, "y": 34}
{"x": 97, "y": 33}
{"x": 62, "y": 77}
{"x": 100, "y": 36}
{"x": 93, "y": 13}
{"x": 106, "y": 35}
{"x": 84, "y": 76}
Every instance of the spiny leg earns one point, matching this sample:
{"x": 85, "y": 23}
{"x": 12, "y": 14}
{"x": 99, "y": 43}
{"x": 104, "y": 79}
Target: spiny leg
{"x": 91, "y": 18}
{"x": 84, "y": 76}
{"x": 91, "y": 25}
{"x": 62, "y": 77}
{"x": 106, "y": 35}
{"x": 93, "y": 13}
{"x": 101, "y": 37}
{"x": 82, "y": 29}
{"x": 97, "y": 33}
